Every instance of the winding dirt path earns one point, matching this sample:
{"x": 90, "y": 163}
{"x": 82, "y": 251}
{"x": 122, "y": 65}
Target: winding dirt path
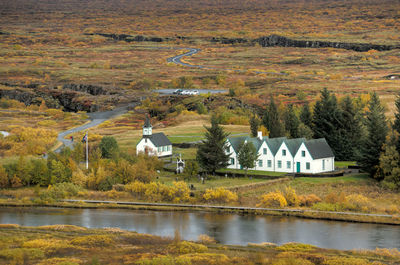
{"x": 178, "y": 60}
{"x": 95, "y": 118}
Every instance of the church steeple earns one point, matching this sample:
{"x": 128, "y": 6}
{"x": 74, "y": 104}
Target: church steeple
{"x": 147, "y": 128}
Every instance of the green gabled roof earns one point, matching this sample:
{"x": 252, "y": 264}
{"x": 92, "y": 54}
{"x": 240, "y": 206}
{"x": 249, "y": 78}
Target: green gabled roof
{"x": 294, "y": 145}
{"x": 256, "y": 142}
{"x": 319, "y": 148}
{"x": 236, "y": 141}
{"x": 275, "y": 143}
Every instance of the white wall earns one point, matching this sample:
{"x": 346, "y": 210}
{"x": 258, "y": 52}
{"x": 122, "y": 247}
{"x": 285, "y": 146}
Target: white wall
{"x": 232, "y": 155}
{"x": 303, "y": 160}
{"x": 317, "y": 165}
{"x": 145, "y": 142}
{"x": 164, "y": 150}
{"x": 265, "y": 158}
{"x": 153, "y": 150}
{"x": 283, "y": 159}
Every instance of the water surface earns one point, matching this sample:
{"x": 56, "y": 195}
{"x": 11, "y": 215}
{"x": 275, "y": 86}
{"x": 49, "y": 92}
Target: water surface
{"x": 225, "y": 228}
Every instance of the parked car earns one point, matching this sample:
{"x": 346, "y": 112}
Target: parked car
{"x": 195, "y": 92}
{"x": 177, "y": 92}
{"x": 185, "y": 92}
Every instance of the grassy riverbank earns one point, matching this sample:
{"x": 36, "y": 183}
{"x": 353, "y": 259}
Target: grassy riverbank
{"x": 337, "y": 198}
{"x": 66, "y": 244}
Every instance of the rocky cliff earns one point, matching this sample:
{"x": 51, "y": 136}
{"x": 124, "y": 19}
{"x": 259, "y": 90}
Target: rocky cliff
{"x": 276, "y": 40}
{"x": 268, "y": 41}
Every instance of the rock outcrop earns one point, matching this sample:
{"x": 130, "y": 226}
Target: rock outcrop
{"x": 230, "y": 40}
{"x": 276, "y": 40}
{"x": 130, "y": 38}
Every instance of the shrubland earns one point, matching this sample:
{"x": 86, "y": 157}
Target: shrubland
{"x": 78, "y": 245}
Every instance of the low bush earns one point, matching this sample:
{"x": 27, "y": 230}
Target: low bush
{"x": 164, "y": 260}
{"x": 273, "y": 199}
{"x": 185, "y": 247}
{"x": 291, "y": 260}
{"x": 309, "y": 200}
{"x": 219, "y": 195}
{"x": 205, "y": 239}
{"x": 50, "y": 246}
{"x": 357, "y": 202}
{"x": 346, "y": 261}
{"x": 61, "y": 261}
{"x": 296, "y": 247}
{"x": 207, "y": 258}
{"x": 155, "y": 191}
{"x": 60, "y": 191}
{"x": 291, "y": 197}
{"x": 93, "y": 241}
{"x": 20, "y": 255}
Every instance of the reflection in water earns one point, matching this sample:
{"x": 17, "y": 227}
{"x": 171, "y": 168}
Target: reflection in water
{"x": 225, "y": 228}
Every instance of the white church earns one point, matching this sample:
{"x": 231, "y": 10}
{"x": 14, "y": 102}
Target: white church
{"x": 285, "y": 155}
{"x": 156, "y": 144}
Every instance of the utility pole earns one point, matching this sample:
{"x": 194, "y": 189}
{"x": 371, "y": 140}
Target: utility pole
{"x": 87, "y": 151}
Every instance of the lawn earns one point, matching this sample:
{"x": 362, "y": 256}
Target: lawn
{"x": 252, "y": 172}
{"x": 344, "y": 164}
{"x": 356, "y": 178}
{"x": 212, "y": 181}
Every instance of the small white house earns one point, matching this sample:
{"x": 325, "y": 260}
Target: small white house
{"x": 156, "y": 144}
{"x": 285, "y": 155}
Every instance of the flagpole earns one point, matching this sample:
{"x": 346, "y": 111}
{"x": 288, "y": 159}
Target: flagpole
{"x": 87, "y": 151}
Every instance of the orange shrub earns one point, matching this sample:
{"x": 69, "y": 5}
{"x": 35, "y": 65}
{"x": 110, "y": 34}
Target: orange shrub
{"x": 309, "y": 200}
{"x": 273, "y": 199}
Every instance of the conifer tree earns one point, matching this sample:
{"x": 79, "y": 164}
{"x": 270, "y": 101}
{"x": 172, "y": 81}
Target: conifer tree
{"x": 211, "y": 152}
{"x": 271, "y": 120}
{"x": 351, "y": 130}
{"x": 327, "y": 122}
{"x": 389, "y": 163}
{"x": 291, "y": 122}
{"x": 254, "y": 123}
{"x": 247, "y": 155}
{"x": 396, "y": 123}
{"x": 306, "y": 116}
{"x": 377, "y": 130}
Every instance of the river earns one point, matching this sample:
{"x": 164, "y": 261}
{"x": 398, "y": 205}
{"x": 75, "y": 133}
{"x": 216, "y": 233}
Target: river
{"x": 225, "y": 228}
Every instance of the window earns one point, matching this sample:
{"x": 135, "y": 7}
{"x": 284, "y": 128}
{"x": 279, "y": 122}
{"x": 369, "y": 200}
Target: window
{"x": 288, "y": 164}
{"x": 303, "y": 153}
{"x": 228, "y": 149}
{"x": 279, "y": 164}
{"x": 269, "y": 163}
{"x": 164, "y": 148}
{"x": 308, "y": 165}
{"x": 323, "y": 164}
{"x": 232, "y": 161}
{"x": 159, "y": 149}
{"x": 260, "y": 163}
{"x": 265, "y": 151}
{"x": 168, "y": 148}
{"x": 283, "y": 152}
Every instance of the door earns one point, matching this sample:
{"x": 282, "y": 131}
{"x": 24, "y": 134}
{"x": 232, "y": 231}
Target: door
{"x": 298, "y": 167}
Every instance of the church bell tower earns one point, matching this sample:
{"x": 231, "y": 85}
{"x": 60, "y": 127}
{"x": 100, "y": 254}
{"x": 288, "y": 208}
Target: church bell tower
{"x": 147, "y": 128}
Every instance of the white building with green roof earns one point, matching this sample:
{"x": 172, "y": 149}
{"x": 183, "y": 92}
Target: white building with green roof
{"x": 285, "y": 155}
{"x": 154, "y": 144}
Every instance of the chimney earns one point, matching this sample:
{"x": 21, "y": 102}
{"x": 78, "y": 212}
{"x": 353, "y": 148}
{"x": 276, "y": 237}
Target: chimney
{"x": 259, "y": 135}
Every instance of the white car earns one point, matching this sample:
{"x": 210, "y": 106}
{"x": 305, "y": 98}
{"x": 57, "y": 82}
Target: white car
{"x": 185, "y": 92}
{"x": 195, "y": 92}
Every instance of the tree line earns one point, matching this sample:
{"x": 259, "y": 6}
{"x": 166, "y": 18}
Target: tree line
{"x": 355, "y": 128}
